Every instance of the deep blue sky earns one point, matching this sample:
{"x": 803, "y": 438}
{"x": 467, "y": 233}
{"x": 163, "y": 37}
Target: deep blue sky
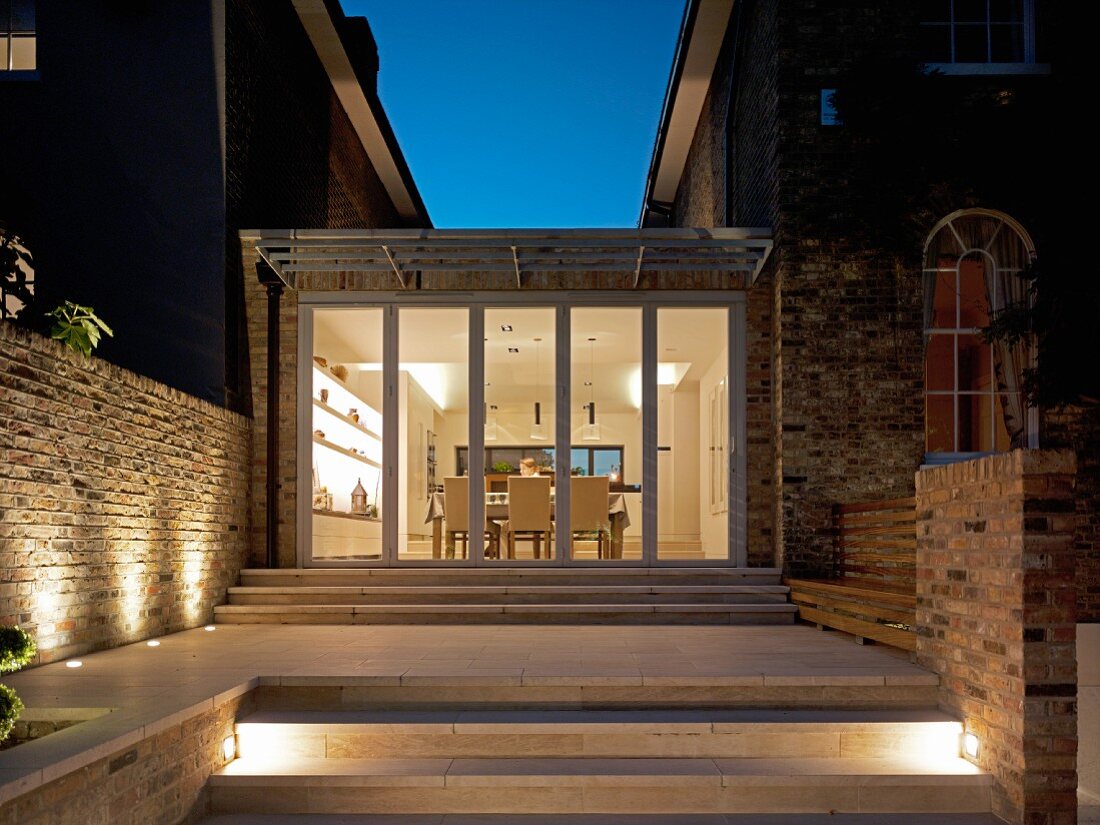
{"x": 525, "y": 113}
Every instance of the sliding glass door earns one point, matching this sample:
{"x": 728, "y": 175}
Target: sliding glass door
{"x": 593, "y": 430}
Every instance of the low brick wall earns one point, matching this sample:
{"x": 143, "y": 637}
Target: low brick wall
{"x": 159, "y": 779}
{"x": 996, "y": 613}
{"x": 123, "y": 502}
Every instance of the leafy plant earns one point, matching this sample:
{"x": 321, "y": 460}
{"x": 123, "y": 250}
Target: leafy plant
{"x": 10, "y": 708}
{"x": 502, "y": 467}
{"x": 17, "y": 648}
{"x": 78, "y": 327}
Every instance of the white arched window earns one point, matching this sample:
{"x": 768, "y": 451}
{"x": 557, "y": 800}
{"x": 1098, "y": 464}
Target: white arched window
{"x": 973, "y": 400}
{"x": 16, "y": 274}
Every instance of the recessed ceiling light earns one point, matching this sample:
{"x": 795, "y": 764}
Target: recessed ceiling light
{"x": 505, "y": 327}
{"x": 588, "y": 383}
{"x": 513, "y": 349}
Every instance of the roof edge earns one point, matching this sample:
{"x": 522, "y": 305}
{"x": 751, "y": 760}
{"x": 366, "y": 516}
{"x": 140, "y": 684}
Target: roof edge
{"x": 364, "y": 110}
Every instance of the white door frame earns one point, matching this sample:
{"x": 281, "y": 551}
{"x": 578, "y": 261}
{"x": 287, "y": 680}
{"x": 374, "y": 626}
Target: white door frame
{"x": 562, "y": 301}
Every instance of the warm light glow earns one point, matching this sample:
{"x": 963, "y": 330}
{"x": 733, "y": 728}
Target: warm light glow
{"x": 432, "y": 378}
{"x": 209, "y": 628}
{"x": 972, "y": 746}
{"x": 229, "y": 747}
{"x": 74, "y": 663}
{"x": 153, "y": 643}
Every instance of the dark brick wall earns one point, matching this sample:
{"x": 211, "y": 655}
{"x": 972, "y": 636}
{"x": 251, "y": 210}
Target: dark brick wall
{"x": 293, "y": 158}
{"x": 846, "y": 294}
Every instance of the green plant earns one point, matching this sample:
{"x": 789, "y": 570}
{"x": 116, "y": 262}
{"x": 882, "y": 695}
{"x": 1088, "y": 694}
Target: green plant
{"x": 78, "y": 327}
{"x": 17, "y": 648}
{"x": 502, "y": 467}
{"x": 578, "y": 471}
{"x": 10, "y": 708}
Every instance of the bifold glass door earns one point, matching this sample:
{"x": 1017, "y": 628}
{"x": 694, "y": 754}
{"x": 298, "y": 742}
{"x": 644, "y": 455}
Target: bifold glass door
{"x": 504, "y": 433}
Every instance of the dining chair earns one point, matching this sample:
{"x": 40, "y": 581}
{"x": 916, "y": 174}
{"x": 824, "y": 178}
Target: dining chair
{"x": 588, "y": 516}
{"x": 529, "y": 512}
{"x": 456, "y": 492}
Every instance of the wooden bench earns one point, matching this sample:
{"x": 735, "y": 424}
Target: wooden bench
{"x": 872, "y": 593}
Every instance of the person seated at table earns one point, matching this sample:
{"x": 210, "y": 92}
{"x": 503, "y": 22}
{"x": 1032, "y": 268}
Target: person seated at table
{"x": 528, "y": 467}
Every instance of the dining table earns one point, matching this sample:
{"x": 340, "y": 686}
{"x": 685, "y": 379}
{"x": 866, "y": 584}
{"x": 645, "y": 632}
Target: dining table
{"x": 496, "y": 521}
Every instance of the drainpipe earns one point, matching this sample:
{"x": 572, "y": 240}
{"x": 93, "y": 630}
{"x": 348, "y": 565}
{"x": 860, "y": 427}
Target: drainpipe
{"x": 274, "y": 285}
{"x": 731, "y": 103}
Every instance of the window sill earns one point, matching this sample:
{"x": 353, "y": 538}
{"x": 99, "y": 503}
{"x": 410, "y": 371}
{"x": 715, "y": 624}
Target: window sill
{"x": 941, "y": 459}
{"x": 989, "y": 68}
{"x": 17, "y": 75}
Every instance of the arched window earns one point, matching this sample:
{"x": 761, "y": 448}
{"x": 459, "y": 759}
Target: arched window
{"x": 16, "y": 274}
{"x": 973, "y": 403}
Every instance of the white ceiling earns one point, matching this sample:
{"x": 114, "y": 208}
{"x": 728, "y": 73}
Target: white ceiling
{"x": 434, "y": 340}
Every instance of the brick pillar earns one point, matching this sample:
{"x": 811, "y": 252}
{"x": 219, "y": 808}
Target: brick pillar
{"x": 996, "y": 613}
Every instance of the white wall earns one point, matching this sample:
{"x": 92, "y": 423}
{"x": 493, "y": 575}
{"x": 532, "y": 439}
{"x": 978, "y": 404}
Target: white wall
{"x": 713, "y": 528}
{"x": 418, "y": 416}
{"x": 678, "y": 467}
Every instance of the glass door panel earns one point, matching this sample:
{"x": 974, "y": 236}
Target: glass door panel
{"x": 519, "y": 433}
{"x": 693, "y": 434}
{"x": 606, "y": 428}
{"x": 433, "y": 421}
{"x": 347, "y": 427}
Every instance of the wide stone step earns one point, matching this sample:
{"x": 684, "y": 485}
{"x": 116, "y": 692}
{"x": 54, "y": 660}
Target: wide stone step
{"x": 586, "y": 733}
{"x": 337, "y": 614}
{"x": 604, "y": 819}
{"x": 511, "y": 576}
{"x": 511, "y": 594}
{"x": 282, "y": 783}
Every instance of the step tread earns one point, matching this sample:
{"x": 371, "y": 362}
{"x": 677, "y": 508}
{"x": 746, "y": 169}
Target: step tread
{"x": 517, "y": 570}
{"x": 605, "y": 819}
{"x": 489, "y": 589}
{"x": 590, "y": 771}
{"x": 597, "y": 721}
{"x": 765, "y": 607}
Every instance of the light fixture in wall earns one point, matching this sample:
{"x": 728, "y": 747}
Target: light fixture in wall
{"x": 591, "y": 430}
{"x": 538, "y": 429}
{"x": 972, "y": 745}
{"x": 513, "y": 350}
{"x": 229, "y": 748}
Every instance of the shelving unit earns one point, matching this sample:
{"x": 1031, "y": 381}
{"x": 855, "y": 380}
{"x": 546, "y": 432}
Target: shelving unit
{"x": 324, "y": 442}
{"x": 347, "y": 419}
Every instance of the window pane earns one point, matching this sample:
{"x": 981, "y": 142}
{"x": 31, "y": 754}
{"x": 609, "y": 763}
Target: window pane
{"x": 975, "y": 423}
{"x": 578, "y": 461}
{"x": 935, "y": 11}
{"x": 519, "y": 384}
{"x": 970, "y": 11}
{"x": 1007, "y": 42}
{"x": 975, "y": 365}
{"x": 1006, "y": 11}
{"x": 693, "y": 433}
{"x": 433, "y": 419}
{"x": 939, "y": 363}
{"x": 605, "y": 357}
{"x": 935, "y": 42}
{"x": 971, "y": 44}
{"x": 973, "y": 305}
{"x": 22, "y": 15}
{"x": 23, "y": 53}
{"x": 946, "y": 296}
{"x": 939, "y": 427}
{"x": 347, "y": 434}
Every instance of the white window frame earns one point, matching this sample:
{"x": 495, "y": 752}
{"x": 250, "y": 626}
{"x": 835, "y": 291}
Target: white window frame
{"x": 1028, "y": 66}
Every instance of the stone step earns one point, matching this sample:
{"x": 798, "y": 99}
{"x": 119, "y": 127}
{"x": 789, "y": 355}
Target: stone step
{"x": 511, "y": 594}
{"x": 510, "y": 576}
{"x": 283, "y": 783}
{"x": 604, "y": 819}
{"x": 585, "y": 733}
{"x": 600, "y": 614}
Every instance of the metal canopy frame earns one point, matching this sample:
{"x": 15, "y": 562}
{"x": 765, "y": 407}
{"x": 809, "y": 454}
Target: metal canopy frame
{"x": 405, "y": 252}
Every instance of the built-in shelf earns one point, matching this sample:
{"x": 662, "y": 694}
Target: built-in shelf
{"x": 317, "y": 402}
{"x": 340, "y": 514}
{"x": 345, "y": 451}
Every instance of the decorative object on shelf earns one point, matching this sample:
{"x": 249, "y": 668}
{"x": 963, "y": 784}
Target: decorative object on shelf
{"x": 321, "y": 362}
{"x": 372, "y": 511}
{"x": 359, "y": 498}
{"x": 319, "y": 433}
{"x": 353, "y": 414}
{"x": 324, "y": 396}
{"x": 322, "y": 500}
{"x": 340, "y": 371}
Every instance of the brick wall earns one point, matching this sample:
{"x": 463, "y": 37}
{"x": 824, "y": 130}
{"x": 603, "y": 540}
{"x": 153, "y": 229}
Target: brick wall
{"x": 123, "y": 501}
{"x": 996, "y": 613}
{"x": 160, "y": 780}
